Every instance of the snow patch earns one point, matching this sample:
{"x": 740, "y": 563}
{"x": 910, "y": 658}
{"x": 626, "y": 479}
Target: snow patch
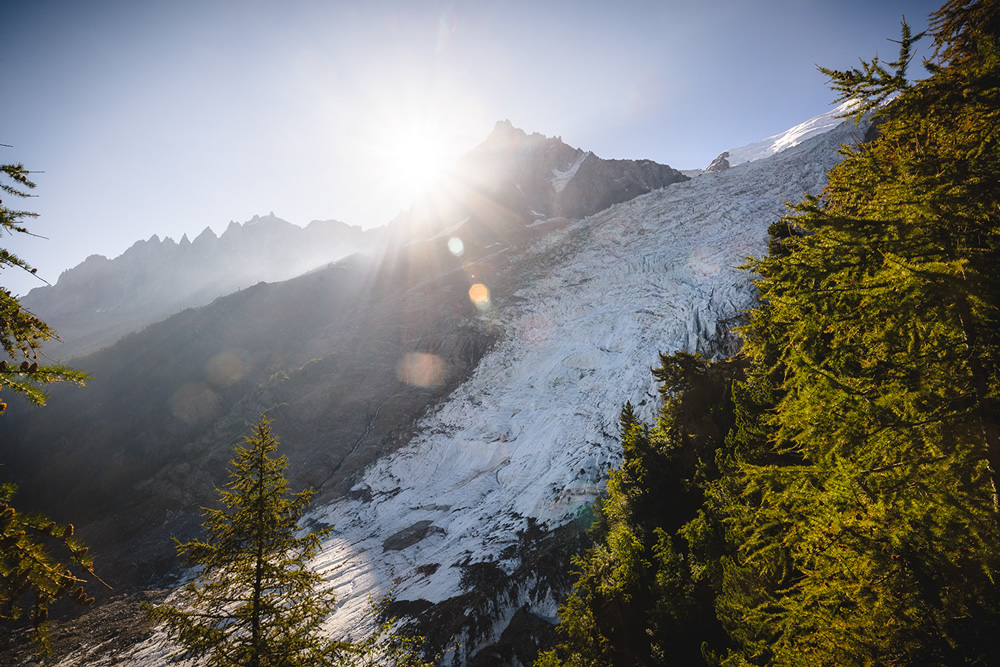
{"x": 561, "y": 178}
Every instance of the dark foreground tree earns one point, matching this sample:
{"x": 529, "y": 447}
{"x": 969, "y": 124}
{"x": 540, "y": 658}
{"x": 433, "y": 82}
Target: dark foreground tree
{"x": 256, "y": 602}
{"x": 32, "y": 576}
{"x": 644, "y": 591}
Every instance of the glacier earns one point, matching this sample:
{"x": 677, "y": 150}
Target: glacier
{"x": 791, "y": 137}
{"x": 528, "y": 439}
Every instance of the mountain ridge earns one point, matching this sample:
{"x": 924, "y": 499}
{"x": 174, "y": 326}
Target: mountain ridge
{"x": 513, "y": 179}
{"x": 95, "y": 303}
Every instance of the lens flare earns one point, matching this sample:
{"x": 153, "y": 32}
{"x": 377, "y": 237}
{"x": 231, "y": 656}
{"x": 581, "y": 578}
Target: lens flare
{"x": 194, "y": 402}
{"x": 456, "y": 247}
{"x": 479, "y": 294}
{"x": 224, "y": 369}
{"x": 421, "y": 370}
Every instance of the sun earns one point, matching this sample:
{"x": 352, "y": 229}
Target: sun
{"x": 413, "y": 156}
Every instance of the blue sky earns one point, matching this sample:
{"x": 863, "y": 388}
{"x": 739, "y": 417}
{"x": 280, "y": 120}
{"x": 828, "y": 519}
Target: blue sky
{"x": 166, "y": 117}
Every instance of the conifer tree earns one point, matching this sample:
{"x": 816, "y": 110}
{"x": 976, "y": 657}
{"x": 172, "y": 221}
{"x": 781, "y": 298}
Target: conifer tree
{"x": 256, "y": 602}
{"x": 32, "y": 576}
{"x": 22, "y": 333}
{"x": 643, "y": 593}
{"x": 852, "y": 516}
{"x": 867, "y": 532}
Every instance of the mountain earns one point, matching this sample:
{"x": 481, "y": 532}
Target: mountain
{"x": 455, "y": 404}
{"x": 469, "y": 517}
{"x": 502, "y": 188}
{"x": 345, "y": 357}
{"x": 97, "y": 302}
{"x": 783, "y": 140}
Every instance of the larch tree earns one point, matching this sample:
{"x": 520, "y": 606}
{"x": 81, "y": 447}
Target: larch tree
{"x": 21, "y": 332}
{"x": 255, "y": 602}
{"x": 867, "y": 527}
{"x": 38, "y": 557}
{"x": 851, "y": 516}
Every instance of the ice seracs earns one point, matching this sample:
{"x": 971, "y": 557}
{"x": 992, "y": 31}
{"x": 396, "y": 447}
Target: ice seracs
{"x": 530, "y": 436}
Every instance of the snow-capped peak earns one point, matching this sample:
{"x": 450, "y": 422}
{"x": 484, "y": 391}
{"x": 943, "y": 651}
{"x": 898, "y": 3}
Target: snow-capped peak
{"x": 791, "y": 137}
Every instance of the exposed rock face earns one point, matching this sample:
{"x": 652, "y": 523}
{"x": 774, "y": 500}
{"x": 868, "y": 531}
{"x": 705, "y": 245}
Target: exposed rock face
{"x": 514, "y": 179}
{"x": 720, "y": 163}
{"x": 97, "y": 302}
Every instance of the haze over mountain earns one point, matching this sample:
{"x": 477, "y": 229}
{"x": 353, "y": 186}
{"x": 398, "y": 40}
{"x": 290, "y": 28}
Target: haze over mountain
{"x": 167, "y": 117}
{"x": 97, "y": 302}
{"x": 455, "y": 435}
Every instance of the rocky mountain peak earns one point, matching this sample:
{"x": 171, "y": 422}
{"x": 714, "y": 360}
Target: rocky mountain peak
{"x": 513, "y": 180}
{"x": 206, "y": 236}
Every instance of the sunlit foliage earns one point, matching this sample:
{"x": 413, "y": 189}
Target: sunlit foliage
{"x": 256, "y": 601}
{"x": 32, "y": 577}
{"x": 851, "y": 516}
{"x": 21, "y": 333}
{"x": 879, "y": 332}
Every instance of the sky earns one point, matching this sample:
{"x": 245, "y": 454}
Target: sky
{"x": 169, "y": 116}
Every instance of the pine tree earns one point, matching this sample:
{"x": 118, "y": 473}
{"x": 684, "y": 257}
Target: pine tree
{"x": 852, "y": 516}
{"x": 644, "y": 591}
{"x": 256, "y": 602}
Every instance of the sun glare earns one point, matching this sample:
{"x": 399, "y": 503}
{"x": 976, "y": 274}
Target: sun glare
{"x": 413, "y": 156}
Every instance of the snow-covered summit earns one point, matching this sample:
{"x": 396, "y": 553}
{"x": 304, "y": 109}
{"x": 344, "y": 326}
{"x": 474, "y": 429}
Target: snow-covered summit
{"x": 791, "y": 137}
